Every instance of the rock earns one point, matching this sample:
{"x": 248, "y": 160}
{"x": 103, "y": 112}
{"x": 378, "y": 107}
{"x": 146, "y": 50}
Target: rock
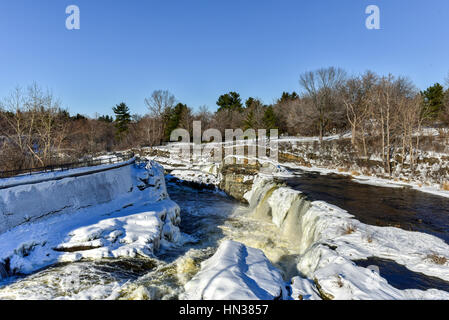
{"x": 237, "y": 179}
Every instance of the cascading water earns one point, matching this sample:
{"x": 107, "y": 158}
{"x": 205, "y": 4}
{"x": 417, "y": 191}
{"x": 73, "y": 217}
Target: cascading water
{"x": 207, "y": 219}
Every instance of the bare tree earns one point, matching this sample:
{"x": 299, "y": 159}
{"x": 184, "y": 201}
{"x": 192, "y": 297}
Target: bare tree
{"x": 410, "y": 118}
{"x": 159, "y": 104}
{"x": 387, "y": 103}
{"x": 355, "y": 94}
{"x": 205, "y": 116}
{"x": 299, "y": 116}
{"x": 320, "y": 86}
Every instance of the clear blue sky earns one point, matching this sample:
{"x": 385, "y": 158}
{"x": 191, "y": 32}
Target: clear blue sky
{"x": 199, "y": 49}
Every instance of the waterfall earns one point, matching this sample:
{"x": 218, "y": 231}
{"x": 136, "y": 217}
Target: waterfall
{"x": 285, "y": 207}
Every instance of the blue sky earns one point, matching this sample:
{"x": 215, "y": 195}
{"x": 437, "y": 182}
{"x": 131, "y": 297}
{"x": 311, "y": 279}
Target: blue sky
{"x": 199, "y": 49}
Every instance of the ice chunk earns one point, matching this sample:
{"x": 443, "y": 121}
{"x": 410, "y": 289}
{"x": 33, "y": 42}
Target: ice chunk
{"x": 236, "y": 272}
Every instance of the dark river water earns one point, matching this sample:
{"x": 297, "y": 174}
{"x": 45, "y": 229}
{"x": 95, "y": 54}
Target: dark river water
{"x": 404, "y": 208}
{"x": 402, "y": 278}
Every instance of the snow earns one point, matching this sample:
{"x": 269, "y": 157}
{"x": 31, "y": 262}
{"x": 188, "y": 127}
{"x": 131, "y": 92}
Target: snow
{"x": 329, "y": 238}
{"x": 375, "y": 181}
{"x": 196, "y": 176}
{"x": 127, "y": 224}
{"x": 25, "y": 203}
{"x": 339, "y": 278}
{"x": 304, "y": 289}
{"x": 236, "y": 272}
{"x": 135, "y": 217}
{"x": 41, "y": 177}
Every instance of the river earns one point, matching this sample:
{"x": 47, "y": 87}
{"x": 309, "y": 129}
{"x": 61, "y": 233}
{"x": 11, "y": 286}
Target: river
{"x": 209, "y": 217}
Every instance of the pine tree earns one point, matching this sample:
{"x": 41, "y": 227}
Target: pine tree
{"x": 433, "y": 101}
{"x": 253, "y": 107}
{"x": 175, "y": 118}
{"x": 269, "y": 119}
{"x": 286, "y": 97}
{"x": 230, "y": 101}
{"x": 106, "y": 118}
{"x": 122, "y": 119}
{"x": 249, "y": 120}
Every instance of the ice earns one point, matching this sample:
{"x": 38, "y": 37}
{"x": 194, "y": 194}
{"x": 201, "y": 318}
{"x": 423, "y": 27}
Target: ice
{"x": 236, "y": 272}
{"x": 328, "y": 239}
{"x": 125, "y": 223}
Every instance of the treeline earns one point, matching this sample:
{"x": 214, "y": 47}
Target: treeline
{"x": 383, "y": 113}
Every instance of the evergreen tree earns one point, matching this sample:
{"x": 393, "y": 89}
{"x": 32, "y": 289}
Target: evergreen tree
{"x": 269, "y": 119}
{"x": 252, "y": 108}
{"x": 174, "y": 118}
{"x": 230, "y": 101}
{"x": 286, "y": 97}
{"x": 106, "y": 118}
{"x": 249, "y": 102}
{"x": 122, "y": 119}
{"x": 433, "y": 101}
{"x": 249, "y": 121}
{"x": 78, "y": 117}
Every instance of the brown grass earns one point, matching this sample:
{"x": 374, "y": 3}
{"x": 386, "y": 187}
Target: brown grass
{"x": 445, "y": 186}
{"x": 437, "y": 259}
{"x": 339, "y": 282}
{"x": 349, "y": 229}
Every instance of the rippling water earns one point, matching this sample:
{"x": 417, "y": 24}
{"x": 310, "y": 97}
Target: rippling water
{"x": 207, "y": 219}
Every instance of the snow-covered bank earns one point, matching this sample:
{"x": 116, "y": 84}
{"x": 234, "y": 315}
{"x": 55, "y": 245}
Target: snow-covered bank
{"x": 236, "y": 272}
{"x": 45, "y": 196}
{"x": 434, "y": 189}
{"x": 125, "y": 214}
{"x": 60, "y": 174}
{"x": 428, "y": 171}
{"x": 328, "y": 239}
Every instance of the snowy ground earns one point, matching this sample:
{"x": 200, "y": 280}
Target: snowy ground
{"x": 328, "y": 240}
{"x": 133, "y": 224}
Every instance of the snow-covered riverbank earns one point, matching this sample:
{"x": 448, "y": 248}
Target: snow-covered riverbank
{"x": 326, "y": 240}
{"x": 329, "y": 239}
{"x": 129, "y": 225}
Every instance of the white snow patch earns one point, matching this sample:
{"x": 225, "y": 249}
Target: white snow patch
{"x": 236, "y": 272}
{"x": 134, "y": 223}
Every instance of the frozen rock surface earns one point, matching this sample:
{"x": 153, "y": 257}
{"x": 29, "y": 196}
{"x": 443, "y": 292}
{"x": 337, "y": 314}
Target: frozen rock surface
{"x": 236, "y": 272}
{"x": 134, "y": 218}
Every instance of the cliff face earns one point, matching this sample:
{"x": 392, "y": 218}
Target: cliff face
{"x": 236, "y": 180}
{"x": 55, "y": 195}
